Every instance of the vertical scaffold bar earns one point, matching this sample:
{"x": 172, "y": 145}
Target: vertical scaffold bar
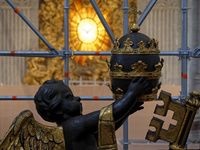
{"x": 125, "y": 31}
{"x": 17, "y": 11}
{"x": 103, "y": 21}
{"x": 66, "y": 47}
{"x": 184, "y": 47}
{"x": 146, "y": 12}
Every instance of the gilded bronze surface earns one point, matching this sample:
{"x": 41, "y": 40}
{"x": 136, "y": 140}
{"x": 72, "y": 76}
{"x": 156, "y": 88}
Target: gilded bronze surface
{"x": 133, "y": 11}
{"x": 153, "y": 47}
{"x": 26, "y": 133}
{"x": 184, "y": 114}
{"x": 147, "y": 97}
{"x": 138, "y": 71}
{"x": 106, "y": 129}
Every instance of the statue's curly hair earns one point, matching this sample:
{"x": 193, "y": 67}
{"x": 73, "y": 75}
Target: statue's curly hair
{"x": 47, "y": 99}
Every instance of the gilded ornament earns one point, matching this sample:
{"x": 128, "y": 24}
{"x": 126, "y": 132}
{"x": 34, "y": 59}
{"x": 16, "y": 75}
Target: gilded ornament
{"x": 109, "y": 85}
{"x": 184, "y": 114}
{"x": 108, "y": 63}
{"x": 127, "y": 49}
{"x": 128, "y": 43}
{"x": 194, "y": 101}
{"x": 142, "y": 47}
{"x": 135, "y": 27}
{"x": 106, "y": 129}
{"x": 119, "y": 91}
{"x": 139, "y": 67}
{"x": 26, "y": 133}
{"x": 147, "y": 97}
{"x": 116, "y": 43}
{"x": 138, "y": 71}
{"x": 118, "y": 67}
{"x": 133, "y": 11}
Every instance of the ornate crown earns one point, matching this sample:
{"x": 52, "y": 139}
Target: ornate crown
{"x": 138, "y": 71}
{"x": 147, "y": 97}
{"x": 127, "y": 49}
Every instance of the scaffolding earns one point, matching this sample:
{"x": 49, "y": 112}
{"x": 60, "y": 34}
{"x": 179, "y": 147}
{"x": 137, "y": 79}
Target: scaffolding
{"x": 184, "y": 53}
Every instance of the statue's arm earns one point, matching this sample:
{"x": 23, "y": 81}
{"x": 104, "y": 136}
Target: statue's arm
{"x": 123, "y": 106}
{"x": 88, "y": 123}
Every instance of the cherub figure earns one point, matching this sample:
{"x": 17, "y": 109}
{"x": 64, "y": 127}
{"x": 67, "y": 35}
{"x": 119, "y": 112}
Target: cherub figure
{"x": 55, "y": 102}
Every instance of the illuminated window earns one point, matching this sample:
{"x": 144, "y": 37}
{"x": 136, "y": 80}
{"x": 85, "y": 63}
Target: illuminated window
{"x": 86, "y": 32}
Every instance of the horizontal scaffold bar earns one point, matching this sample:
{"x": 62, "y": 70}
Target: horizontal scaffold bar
{"x": 72, "y": 53}
{"x": 82, "y": 98}
{"x": 27, "y": 53}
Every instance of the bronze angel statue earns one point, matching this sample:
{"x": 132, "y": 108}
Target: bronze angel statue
{"x": 55, "y": 102}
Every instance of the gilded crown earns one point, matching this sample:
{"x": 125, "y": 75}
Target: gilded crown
{"x": 147, "y": 97}
{"x": 138, "y": 70}
{"x": 141, "y": 47}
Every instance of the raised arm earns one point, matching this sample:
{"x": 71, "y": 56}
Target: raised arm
{"x": 123, "y": 106}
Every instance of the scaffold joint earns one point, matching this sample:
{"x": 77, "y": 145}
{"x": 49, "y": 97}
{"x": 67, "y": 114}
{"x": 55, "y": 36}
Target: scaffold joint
{"x": 65, "y": 53}
{"x": 125, "y": 8}
{"x": 66, "y": 8}
{"x": 184, "y": 53}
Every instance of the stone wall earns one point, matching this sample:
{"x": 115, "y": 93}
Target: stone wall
{"x": 164, "y": 24}
{"x": 16, "y": 35}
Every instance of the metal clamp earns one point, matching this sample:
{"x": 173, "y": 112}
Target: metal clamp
{"x": 66, "y": 8}
{"x": 196, "y": 52}
{"x": 184, "y": 53}
{"x": 64, "y": 52}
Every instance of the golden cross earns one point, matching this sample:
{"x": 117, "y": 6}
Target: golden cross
{"x": 134, "y": 11}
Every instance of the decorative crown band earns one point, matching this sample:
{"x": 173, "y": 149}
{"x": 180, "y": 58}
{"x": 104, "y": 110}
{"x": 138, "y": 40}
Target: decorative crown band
{"x": 153, "y": 49}
{"x": 147, "y": 97}
{"x": 138, "y": 71}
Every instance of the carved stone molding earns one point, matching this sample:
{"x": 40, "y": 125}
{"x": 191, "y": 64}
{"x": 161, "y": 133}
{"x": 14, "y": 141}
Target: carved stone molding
{"x": 17, "y": 3}
{"x": 166, "y": 3}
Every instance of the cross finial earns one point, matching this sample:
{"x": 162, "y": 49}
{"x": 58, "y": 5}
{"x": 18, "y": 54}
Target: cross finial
{"x": 133, "y": 11}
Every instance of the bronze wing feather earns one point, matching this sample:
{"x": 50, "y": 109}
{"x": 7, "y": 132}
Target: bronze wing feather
{"x": 26, "y": 133}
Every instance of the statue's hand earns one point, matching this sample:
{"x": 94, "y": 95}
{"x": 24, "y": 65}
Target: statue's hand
{"x": 136, "y": 107}
{"x": 138, "y": 85}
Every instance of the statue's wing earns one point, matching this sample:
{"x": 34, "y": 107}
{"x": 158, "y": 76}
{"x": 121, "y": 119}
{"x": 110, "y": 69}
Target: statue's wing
{"x": 26, "y": 133}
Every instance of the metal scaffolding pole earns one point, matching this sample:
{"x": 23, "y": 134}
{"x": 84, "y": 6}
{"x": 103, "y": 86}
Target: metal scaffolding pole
{"x": 87, "y": 98}
{"x": 79, "y": 53}
{"x": 28, "y": 53}
{"x": 184, "y": 48}
{"x": 146, "y": 12}
{"x": 103, "y": 21}
{"x": 66, "y": 47}
{"x": 125, "y": 31}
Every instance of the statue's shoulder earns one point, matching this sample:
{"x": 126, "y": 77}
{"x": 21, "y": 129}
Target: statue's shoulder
{"x": 26, "y": 133}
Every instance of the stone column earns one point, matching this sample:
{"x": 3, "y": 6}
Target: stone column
{"x": 194, "y": 63}
{"x": 16, "y": 35}
{"x": 164, "y": 24}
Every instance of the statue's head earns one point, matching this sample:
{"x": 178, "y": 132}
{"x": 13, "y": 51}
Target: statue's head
{"x": 55, "y": 102}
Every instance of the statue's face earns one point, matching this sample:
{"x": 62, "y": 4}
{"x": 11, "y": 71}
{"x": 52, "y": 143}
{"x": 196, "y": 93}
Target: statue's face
{"x": 71, "y": 105}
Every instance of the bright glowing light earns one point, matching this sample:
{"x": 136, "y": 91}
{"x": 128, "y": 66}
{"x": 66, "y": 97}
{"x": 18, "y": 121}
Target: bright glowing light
{"x": 87, "y": 30}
